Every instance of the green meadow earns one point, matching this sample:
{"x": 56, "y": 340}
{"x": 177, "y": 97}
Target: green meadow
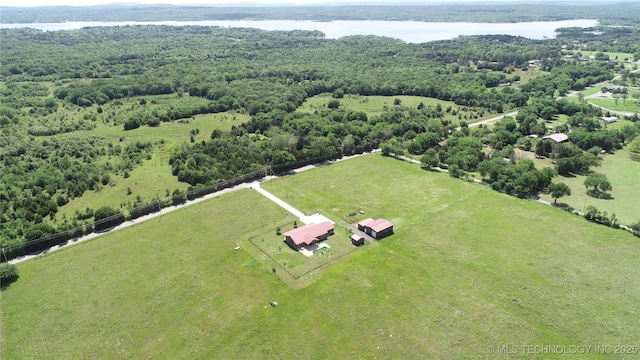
{"x": 594, "y": 89}
{"x": 152, "y": 179}
{"x": 622, "y": 57}
{"x": 627, "y": 105}
{"x": 174, "y": 132}
{"x": 467, "y": 268}
{"x": 376, "y": 105}
{"x": 624, "y": 176}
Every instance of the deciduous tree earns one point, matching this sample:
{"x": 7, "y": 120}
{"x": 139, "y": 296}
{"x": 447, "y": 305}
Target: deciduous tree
{"x": 598, "y": 183}
{"x": 558, "y": 190}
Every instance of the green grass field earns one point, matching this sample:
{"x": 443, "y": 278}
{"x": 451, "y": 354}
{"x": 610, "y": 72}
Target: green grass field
{"x": 375, "y": 105}
{"x": 624, "y": 176}
{"x": 627, "y": 106}
{"x": 175, "y": 132}
{"x": 622, "y": 57}
{"x": 594, "y": 89}
{"x": 150, "y": 180}
{"x": 153, "y": 178}
{"x": 526, "y": 76}
{"x": 466, "y": 269}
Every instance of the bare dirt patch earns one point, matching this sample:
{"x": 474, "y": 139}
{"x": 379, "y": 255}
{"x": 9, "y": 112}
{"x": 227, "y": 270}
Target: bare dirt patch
{"x": 521, "y": 154}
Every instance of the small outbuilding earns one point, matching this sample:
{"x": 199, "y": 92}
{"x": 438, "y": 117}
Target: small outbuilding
{"x": 357, "y": 239}
{"x": 377, "y": 229}
{"x": 609, "y": 120}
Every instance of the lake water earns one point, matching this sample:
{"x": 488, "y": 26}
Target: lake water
{"x": 409, "y": 31}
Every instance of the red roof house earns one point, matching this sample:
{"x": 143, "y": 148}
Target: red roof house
{"x": 376, "y": 228}
{"x": 308, "y": 234}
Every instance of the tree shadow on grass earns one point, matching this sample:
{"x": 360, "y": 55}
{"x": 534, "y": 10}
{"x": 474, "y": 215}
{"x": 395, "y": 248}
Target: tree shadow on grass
{"x": 600, "y": 195}
{"x": 4, "y": 286}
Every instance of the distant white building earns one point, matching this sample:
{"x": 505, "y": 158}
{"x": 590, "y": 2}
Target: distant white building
{"x": 609, "y": 120}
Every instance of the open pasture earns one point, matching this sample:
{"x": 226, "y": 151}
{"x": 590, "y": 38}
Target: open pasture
{"x": 467, "y": 268}
{"x": 172, "y": 132}
{"x": 376, "y": 105}
{"x": 152, "y": 179}
{"x": 627, "y": 106}
{"x": 624, "y": 176}
{"x": 622, "y": 57}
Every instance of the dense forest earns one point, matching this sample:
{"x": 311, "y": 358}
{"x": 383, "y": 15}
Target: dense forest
{"x": 619, "y": 13}
{"x": 58, "y": 87}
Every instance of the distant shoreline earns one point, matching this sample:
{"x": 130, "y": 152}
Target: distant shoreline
{"x": 408, "y": 31}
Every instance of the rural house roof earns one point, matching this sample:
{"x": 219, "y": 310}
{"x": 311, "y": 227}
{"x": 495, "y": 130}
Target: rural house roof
{"x": 376, "y": 225}
{"x": 380, "y": 225}
{"x": 365, "y": 222}
{"x": 309, "y": 233}
{"x": 559, "y": 137}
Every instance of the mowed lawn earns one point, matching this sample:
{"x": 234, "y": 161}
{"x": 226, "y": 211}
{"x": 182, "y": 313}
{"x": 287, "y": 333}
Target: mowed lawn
{"x": 628, "y": 105}
{"x": 168, "y": 288}
{"x": 466, "y": 269}
{"x": 624, "y": 176}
